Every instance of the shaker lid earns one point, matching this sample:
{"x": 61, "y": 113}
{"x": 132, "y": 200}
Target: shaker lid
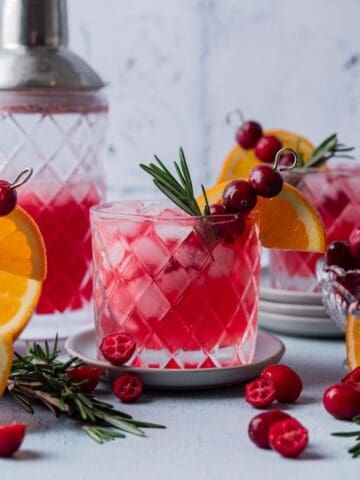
{"x": 33, "y": 48}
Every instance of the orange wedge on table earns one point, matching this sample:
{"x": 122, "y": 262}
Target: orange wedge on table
{"x": 287, "y": 221}
{"x": 353, "y": 341}
{"x": 22, "y": 271}
{"x": 239, "y": 162}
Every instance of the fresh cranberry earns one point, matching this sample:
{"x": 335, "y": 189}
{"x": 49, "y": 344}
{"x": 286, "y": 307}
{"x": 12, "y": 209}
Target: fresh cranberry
{"x": 11, "y": 437}
{"x": 287, "y": 382}
{"x": 87, "y": 377}
{"x": 128, "y": 387}
{"x": 338, "y": 253}
{"x": 260, "y": 393}
{"x": 266, "y": 181}
{"x": 229, "y": 226}
{"x": 118, "y": 348}
{"x": 267, "y": 148}
{"x": 353, "y": 378}
{"x": 351, "y": 282}
{"x": 248, "y": 134}
{"x": 260, "y": 425}
{"x": 8, "y": 198}
{"x": 288, "y": 437}
{"x": 239, "y": 197}
{"x": 342, "y": 401}
{"x": 354, "y": 243}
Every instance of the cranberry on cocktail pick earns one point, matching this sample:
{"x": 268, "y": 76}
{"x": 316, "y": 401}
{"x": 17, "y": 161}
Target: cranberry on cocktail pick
{"x": 248, "y": 133}
{"x": 8, "y": 194}
{"x": 239, "y": 197}
{"x": 267, "y": 148}
{"x": 228, "y": 227}
{"x": 266, "y": 180}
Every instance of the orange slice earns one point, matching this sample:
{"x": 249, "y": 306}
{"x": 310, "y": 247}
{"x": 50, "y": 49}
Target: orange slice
{"x": 287, "y": 221}
{"x": 353, "y": 341}
{"x": 239, "y": 162}
{"x": 6, "y": 355}
{"x": 22, "y": 270}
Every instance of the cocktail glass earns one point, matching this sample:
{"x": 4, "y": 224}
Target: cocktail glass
{"x": 61, "y": 136}
{"x": 335, "y": 192}
{"x": 187, "y": 297}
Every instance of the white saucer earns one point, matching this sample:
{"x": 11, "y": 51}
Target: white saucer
{"x": 320, "y": 327}
{"x": 269, "y": 349}
{"x": 292, "y": 309}
{"x": 287, "y": 296}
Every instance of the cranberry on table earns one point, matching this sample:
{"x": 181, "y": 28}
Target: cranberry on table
{"x": 128, "y": 387}
{"x": 260, "y": 393}
{"x": 118, "y": 348}
{"x": 353, "y": 378}
{"x": 8, "y": 198}
{"x": 228, "y": 227}
{"x": 342, "y": 401}
{"x": 354, "y": 243}
{"x": 11, "y": 437}
{"x": 248, "y": 134}
{"x": 239, "y": 197}
{"x": 287, "y": 383}
{"x": 266, "y": 181}
{"x": 338, "y": 253}
{"x": 87, "y": 377}
{"x": 267, "y": 148}
{"x": 260, "y": 425}
{"x": 288, "y": 437}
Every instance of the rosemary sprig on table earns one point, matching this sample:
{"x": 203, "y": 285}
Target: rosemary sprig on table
{"x": 39, "y": 377}
{"x": 327, "y": 149}
{"x": 180, "y": 191}
{"x": 355, "y": 449}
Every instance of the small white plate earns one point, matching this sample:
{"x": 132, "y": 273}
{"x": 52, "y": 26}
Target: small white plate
{"x": 269, "y": 349}
{"x": 292, "y": 309}
{"x": 317, "y": 327}
{"x": 288, "y": 296}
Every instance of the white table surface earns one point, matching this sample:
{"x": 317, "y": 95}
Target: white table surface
{"x": 206, "y": 436}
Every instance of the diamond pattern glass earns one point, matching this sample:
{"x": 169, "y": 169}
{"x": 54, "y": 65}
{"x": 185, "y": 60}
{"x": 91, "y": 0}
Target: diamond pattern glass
{"x": 188, "y": 300}
{"x": 61, "y": 137}
{"x": 336, "y": 195}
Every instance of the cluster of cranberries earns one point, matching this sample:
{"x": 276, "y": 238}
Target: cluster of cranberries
{"x": 342, "y": 400}
{"x": 250, "y": 136}
{"x": 276, "y": 429}
{"x": 346, "y": 254}
{"x": 240, "y": 196}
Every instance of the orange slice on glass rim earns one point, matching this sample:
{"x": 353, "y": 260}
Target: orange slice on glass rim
{"x": 287, "y": 221}
{"x": 239, "y": 162}
{"x": 353, "y": 341}
{"x": 6, "y": 355}
{"x": 22, "y": 270}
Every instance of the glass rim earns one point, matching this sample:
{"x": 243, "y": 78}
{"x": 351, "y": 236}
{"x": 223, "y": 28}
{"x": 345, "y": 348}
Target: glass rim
{"x": 347, "y": 168}
{"x": 101, "y": 209}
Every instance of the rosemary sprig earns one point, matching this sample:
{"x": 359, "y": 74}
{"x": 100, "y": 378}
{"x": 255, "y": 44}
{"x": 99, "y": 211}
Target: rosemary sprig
{"x": 180, "y": 191}
{"x": 327, "y": 149}
{"x": 355, "y": 449}
{"x": 39, "y": 377}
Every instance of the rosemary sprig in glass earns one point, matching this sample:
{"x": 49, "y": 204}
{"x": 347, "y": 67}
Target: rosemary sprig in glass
{"x": 329, "y": 148}
{"x": 180, "y": 191}
{"x": 355, "y": 449}
{"x": 39, "y": 377}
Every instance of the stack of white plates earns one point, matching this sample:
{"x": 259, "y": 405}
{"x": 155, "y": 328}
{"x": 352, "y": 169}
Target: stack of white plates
{"x": 294, "y": 313}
